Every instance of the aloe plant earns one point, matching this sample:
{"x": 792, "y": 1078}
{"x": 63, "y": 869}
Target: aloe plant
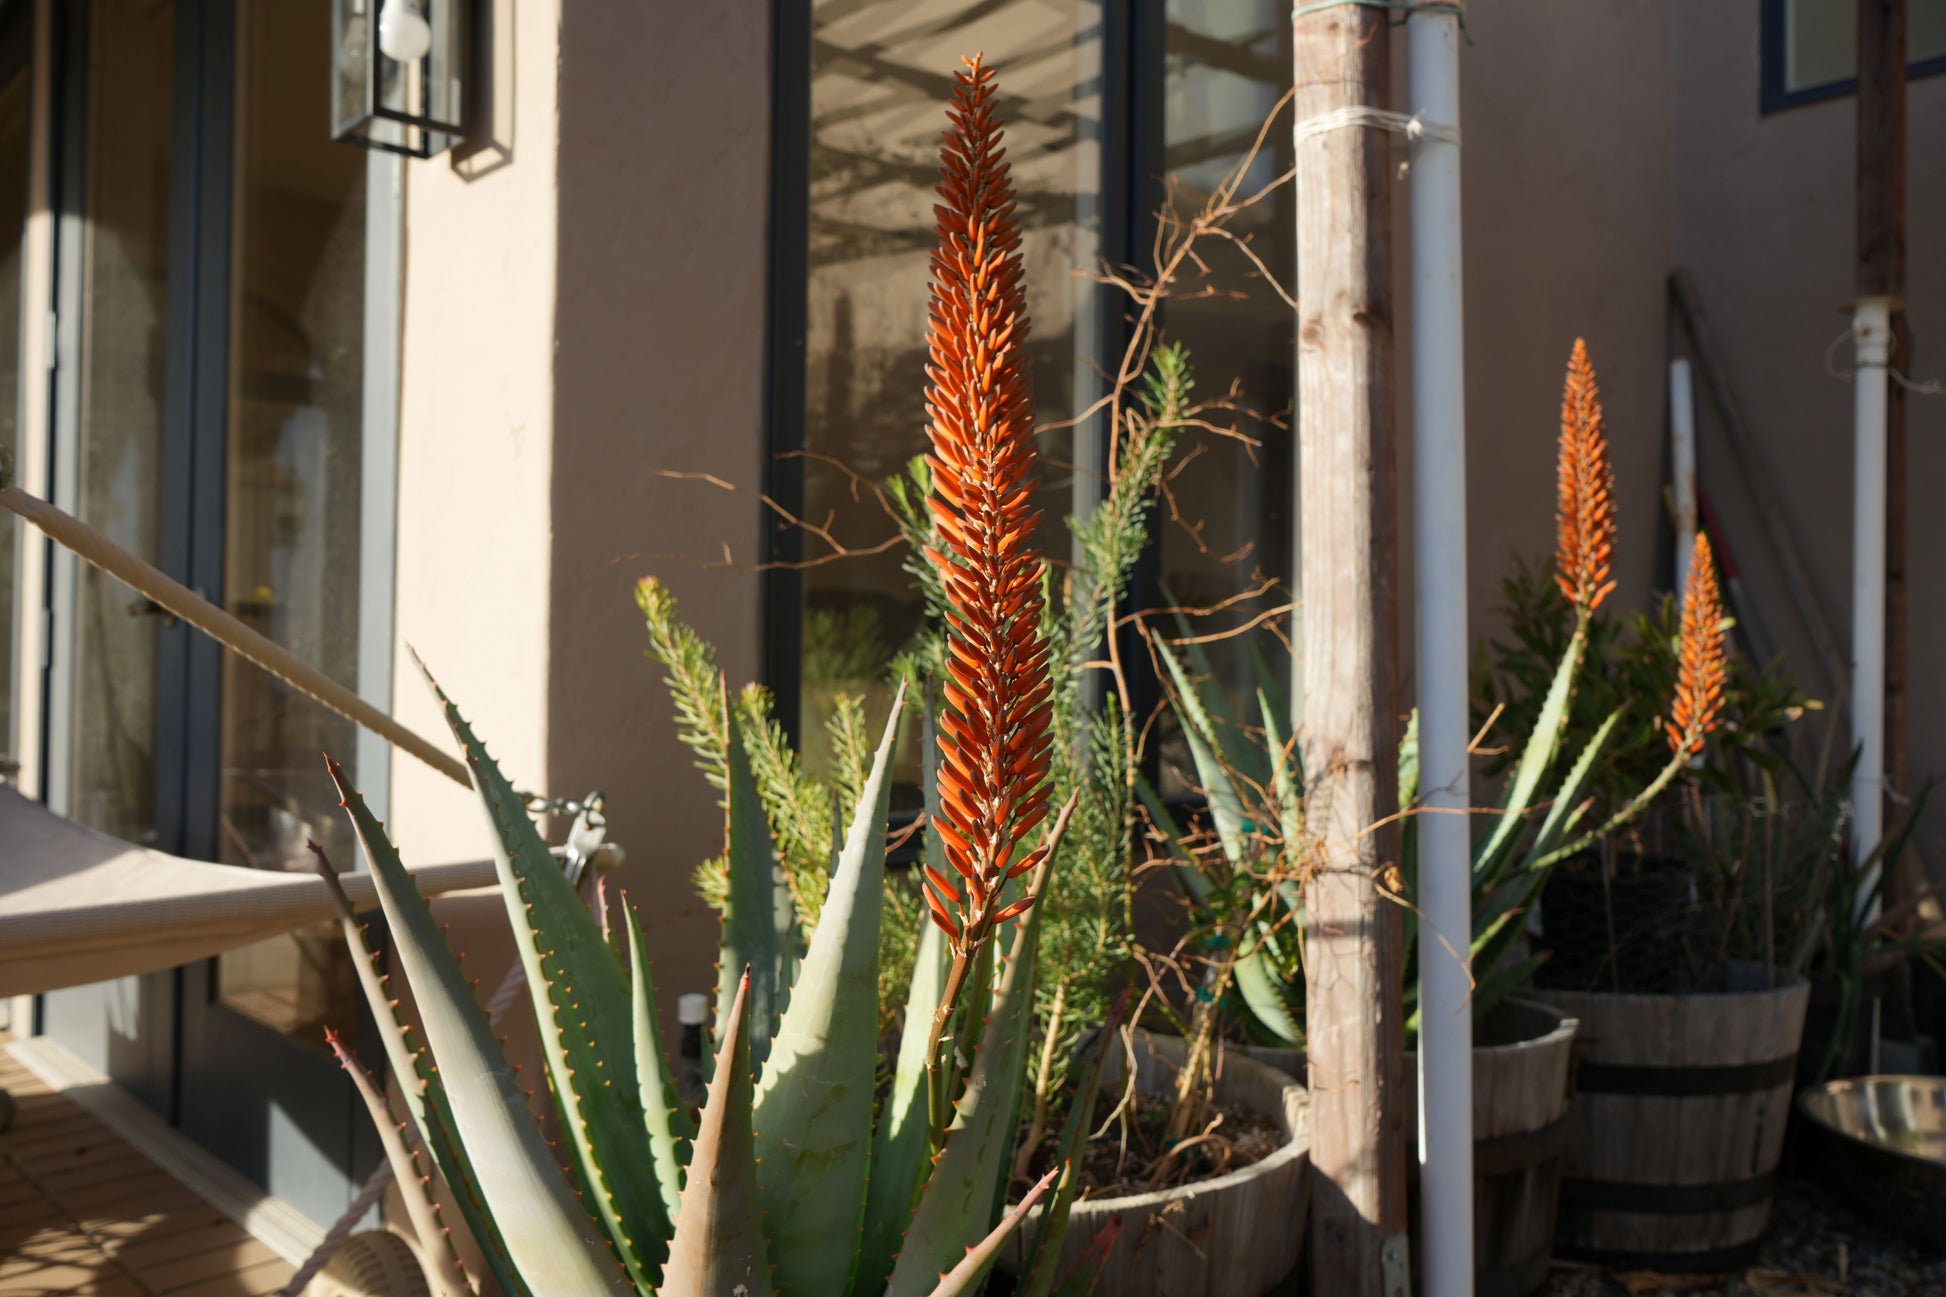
{"x": 768, "y": 1189}
{"x": 1254, "y": 785}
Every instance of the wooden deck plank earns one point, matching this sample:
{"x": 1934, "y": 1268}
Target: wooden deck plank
{"x": 85, "y": 1214}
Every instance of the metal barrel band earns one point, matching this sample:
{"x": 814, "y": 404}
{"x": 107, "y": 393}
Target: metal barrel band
{"x": 1685, "y": 1082}
{"x": 1520, "y": 1151}
{"x": 1720, "y": 1260}
{"x": 1666, "y": 1199}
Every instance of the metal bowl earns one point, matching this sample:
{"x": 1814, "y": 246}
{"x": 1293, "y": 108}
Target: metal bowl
{"x": 1885, "y": 1138}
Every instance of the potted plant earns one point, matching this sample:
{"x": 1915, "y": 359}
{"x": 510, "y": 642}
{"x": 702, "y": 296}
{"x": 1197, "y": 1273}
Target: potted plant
{"x": 1245, "y": 875}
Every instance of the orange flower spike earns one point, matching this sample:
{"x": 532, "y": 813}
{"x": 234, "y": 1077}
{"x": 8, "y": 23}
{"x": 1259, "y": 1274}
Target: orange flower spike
{"x": 993, "y": 731}
{"x": 1698, "y": 705}
{"x": 1586, "y": 512}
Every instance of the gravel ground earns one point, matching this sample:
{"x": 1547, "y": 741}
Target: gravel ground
{"x": 1815, "y": 1247}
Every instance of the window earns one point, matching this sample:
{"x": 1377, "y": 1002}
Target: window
{"x": 1112, "y": 110}
{"x": 16, "y": 76}
{"x": 1810, "y": 48}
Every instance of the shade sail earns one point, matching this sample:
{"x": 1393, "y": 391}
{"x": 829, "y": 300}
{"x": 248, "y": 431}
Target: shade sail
{"x": 78, "y": 906}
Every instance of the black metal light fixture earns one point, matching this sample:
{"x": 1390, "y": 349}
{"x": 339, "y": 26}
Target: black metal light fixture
{"x": 396, "y": 74}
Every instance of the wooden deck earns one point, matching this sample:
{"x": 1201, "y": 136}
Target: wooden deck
{"x": 83, "y": 1212}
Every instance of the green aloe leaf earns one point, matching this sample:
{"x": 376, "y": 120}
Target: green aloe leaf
{"x": 957, "y": 1202}
{"x": 663, "y": 1114}
{"x": 1536, "y": 758}
{"x": 1566, "y": 811}
{"x": 585, "y": 1010}
{"x": 1214, "y": 766}
{"x": 966, "y": 1277}
{"x": 418, "y": 1080}
{"x": 550, "y": 1240}
{"x": 754, "y": 928}
{"x": 1263, "y": 994}
{"x": 900, "y": 1152}
{"x": 719, "y": 1247}
{"x": 814, "y": 1106}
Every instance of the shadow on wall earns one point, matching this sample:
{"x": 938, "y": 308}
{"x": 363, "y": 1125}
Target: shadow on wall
{"x": 663, "y": 172}
{"x": 489, "y": 145}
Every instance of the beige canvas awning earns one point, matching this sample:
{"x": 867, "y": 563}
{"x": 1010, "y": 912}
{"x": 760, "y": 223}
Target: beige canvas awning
{"x": 78, "y": 906}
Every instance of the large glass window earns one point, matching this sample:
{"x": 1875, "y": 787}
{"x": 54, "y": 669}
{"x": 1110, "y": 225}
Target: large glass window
{"x": 1810, "y": 47}
{"x": 1097, "y": 146}
{"x": 124, "y": 314}
{"x": 1226, "y": 533}
{"x": 291, "y": 533}
{"x": 881, "y": 72}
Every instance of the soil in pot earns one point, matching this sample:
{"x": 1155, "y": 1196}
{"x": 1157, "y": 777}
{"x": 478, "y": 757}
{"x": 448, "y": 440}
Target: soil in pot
{"x": 1131, "y": 1155}
{"x": 1234, "y": 1234}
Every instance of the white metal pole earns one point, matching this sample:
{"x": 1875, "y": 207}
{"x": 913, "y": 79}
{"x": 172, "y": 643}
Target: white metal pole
{"x": 1871, "y": 331}
{"x": 1439, "y": 555}
{"x": 1682, "y": 459}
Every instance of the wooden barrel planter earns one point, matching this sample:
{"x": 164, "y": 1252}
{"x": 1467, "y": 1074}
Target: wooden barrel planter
{"x": 1522, "y": 1091}
{"x": 1672, "y": 1149}
{"x": 1237, "y": 1235}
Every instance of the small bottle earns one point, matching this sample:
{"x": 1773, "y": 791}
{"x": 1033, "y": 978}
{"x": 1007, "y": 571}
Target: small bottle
{"x": 692, "y": 1011}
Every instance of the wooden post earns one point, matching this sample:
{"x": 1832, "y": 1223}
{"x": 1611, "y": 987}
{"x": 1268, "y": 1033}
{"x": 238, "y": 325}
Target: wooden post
{"x": 1881, "y": 273}
{"x": 1349, "y": 707}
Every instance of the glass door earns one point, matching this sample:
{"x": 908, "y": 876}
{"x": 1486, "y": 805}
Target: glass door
{"x": 115, "y": 272}
{"x": 290, "y": 563}
{"x": 208, "y": 417}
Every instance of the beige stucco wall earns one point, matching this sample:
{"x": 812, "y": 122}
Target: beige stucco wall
{"x": 1764, "y": 221}
{"x": 662, "y": 262}
{"x": 476, "y": 443}
{"x": 1566, "y": 116}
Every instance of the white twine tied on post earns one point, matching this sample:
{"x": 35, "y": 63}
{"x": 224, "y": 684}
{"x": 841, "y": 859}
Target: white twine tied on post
{"x": 1413, "y": 126}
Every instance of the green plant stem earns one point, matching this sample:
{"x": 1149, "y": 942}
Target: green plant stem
{"x": 936, "y": 1072}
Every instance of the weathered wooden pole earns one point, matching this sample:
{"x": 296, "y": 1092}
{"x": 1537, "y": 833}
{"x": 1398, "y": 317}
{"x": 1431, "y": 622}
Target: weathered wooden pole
{"x": 1881, "y": 273}
{"x": 1349, "y": 712}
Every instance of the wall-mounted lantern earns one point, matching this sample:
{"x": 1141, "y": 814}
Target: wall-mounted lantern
{"x": 396, "y": 74}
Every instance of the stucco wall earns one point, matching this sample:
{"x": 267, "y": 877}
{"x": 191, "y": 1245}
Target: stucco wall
{"x": 1764, "y": 222}
{"x": 476, "y": 442}
{"x": 662, "y": 263}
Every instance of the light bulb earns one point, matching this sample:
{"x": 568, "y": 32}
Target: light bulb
{"x": 403, "y": 33}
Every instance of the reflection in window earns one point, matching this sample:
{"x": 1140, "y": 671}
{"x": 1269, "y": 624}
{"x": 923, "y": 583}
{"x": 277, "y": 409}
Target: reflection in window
{"x": 1228, "y": 530}
{"x": 881, "y": 74}
{"x": 124, "y": 294}
{"x": 1821, "y": 40}
{"x": 291, "y": 530}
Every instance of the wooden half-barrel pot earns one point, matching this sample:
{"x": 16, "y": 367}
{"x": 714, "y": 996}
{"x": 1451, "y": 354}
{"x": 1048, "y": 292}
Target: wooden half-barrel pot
{"x": 1522, "y": 1091}
{"x": 1672, "y": 1150}
{"x": 1237, "y": 1235}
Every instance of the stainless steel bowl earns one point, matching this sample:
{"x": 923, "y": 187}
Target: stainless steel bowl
{"x": 1885, "y": 1137}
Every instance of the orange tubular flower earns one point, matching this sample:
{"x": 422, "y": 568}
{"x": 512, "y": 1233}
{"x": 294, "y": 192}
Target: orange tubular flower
{"x": 1586, "y": 513}
{"x": 993, "y": 738}
{"x": 1699, "y": 689}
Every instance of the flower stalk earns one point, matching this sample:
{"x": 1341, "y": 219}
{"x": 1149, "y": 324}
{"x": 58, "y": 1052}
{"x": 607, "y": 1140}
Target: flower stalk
{"x": 994, "y": 722}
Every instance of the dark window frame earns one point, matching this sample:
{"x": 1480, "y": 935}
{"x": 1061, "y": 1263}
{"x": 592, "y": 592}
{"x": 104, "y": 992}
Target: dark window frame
{"x": 1775, "y": 97}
